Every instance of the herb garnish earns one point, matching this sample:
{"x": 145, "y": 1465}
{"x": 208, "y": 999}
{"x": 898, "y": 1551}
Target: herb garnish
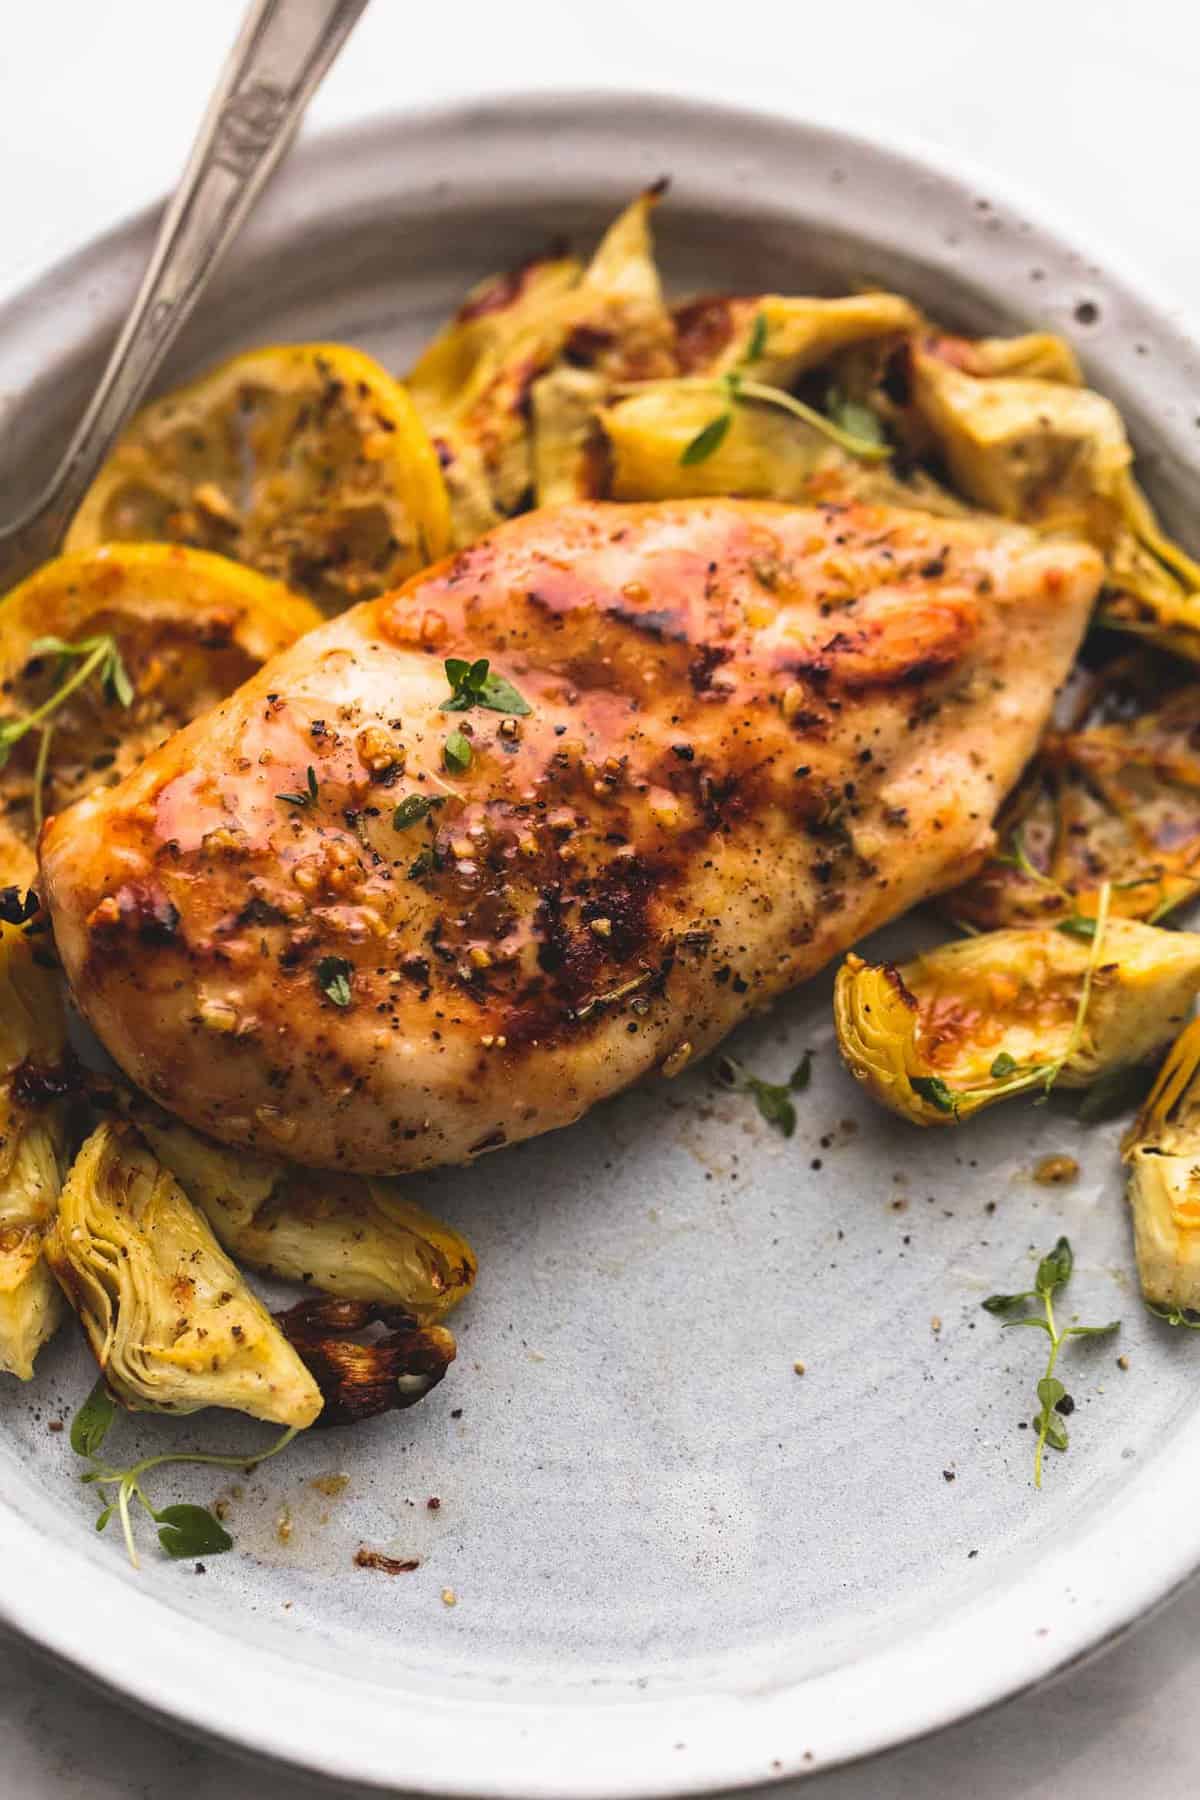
{"x": 855, "y": 419}
{"x": 308, "y": 795}
{"x": 184, "y": 1530}
{"x": 935, "y": 1090}
{"x": 471, "y": 685}
{"x": 1186, "y": 1316}
{"x": 334, "y": 976}
{"x": 415, "y": 808}
{"x": 774, "y": 1101}
{"x": 100, "y": 656}
{"x": 1053, "y": 1273}
{"x": 457, "y": 753}
{"x": 856, "y": 428}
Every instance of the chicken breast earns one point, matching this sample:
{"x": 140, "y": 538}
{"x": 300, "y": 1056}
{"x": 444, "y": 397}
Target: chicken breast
{"x": 756, "y": 733}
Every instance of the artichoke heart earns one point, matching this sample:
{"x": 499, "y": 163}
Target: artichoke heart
{"x": 356, "y": 1238}
{"x": 1116, "y": 799}
{"x": 777, "y": 338}
{"x": 170, "y": 1320}
{"x": 1162, "y": 1149}
{"x": 472, "y": 385}
{"x": 32, "y": 1047}
{"x": 1010, "y": 1011}
{"x": 1021, "y": 436}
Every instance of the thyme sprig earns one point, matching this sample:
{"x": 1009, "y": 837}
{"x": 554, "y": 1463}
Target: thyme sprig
{"x": 773, "y": 1099}
{"x": 1055, "y": 1403}
{"x": 844, "y": 424}
{"x": 94, "y": 657}
{"x": 183, "y": 1530}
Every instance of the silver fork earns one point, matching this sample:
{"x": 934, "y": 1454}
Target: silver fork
{"x": 282, "y": 52}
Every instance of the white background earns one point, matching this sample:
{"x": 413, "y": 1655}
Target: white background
{"x": 1090, "y": 106}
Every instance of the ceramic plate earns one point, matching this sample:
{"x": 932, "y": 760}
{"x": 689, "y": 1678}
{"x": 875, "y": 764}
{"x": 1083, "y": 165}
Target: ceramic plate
{"x": 678, "y": 1565}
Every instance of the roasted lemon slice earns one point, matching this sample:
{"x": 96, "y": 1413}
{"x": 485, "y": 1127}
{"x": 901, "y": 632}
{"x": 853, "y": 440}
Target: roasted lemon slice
{"x": 306, "y": 461}
{"x": 104, "y": 653}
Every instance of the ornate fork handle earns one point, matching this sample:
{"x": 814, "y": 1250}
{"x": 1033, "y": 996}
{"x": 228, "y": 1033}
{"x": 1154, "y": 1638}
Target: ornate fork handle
{"x": 282, "y": 51}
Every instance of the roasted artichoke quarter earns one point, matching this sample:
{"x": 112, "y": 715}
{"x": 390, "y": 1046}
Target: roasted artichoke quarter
{"x": 1012, "y": 1011}
{"x": 1162, "y": 1149}
{"x": 32, "y": 1134}
{"x": 1114, "y": 797}
{"x": 345, "y": 1235}
{"x": 1023, "y": 437}
{"x": 472, "y": 385}
{"x": 171, "y": 1322}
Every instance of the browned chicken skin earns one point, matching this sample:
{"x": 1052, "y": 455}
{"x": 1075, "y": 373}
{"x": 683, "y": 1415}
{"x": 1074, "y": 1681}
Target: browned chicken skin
{"x": 758, "y": 732}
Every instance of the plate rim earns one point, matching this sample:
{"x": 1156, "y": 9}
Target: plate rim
{"x": 161, "y": 1677}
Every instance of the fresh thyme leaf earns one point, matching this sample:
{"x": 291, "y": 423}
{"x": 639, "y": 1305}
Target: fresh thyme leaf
{"x": 184, "y": 1530}
{"x": 1053, "y": 1273}
{"x": 1002, "y": 1303}
{"x": 308, "y": 795}
{"x": 774, "y": 1105}
{"x": 457, "y": 753}
{"x": 191, "y": 1531}
{"x": 421, "y": 865}
{"x": 1003, "y": 1065}
{"x": 934, "y": 1089}
{"x": 1054, "y": 1270}
{"x": 466, "y": 682}
{"x": 773, "y": 1100}
{"x": 758, "y": 339}
{"x": 501, "y": 696}
{"x": 707, "y": 440}
{"x": 415, "y": 808}
{"x": 116, "y": 678}
{"x": 472, "y": 684}
{"x": 1078, "y": 926}
{"x": 852, "y": 417}
{"x": 1054, "y": 1432}
{"x": 1050, "y": 1390}
{"x": 334, "y": 976}
{"x": 89, "y": 1427}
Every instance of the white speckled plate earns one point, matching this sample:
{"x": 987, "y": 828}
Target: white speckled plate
{"x": 678, "y": 1565}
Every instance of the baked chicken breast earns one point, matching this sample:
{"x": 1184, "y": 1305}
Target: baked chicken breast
{"x": 373, "y": 914}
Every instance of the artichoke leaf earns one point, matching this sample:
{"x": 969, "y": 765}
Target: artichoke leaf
{"x": 472, "y": 385}
{"x": 763, "y": 454}
{"x": 1114, "y": 799}
{"x": 1162, "y": 1151}
{"x": 1006, "y": 1012}
{"x": 32, "y": 1148}
{"x": 568, "y": 445}
{"x": 1045, "y": 450}
{"x": 777, "y": 338}
{"x": 170, "y": 1320}
{"x": 356, "y": 1238}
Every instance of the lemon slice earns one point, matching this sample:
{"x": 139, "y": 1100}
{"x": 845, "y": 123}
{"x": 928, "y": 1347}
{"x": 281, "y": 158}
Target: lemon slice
{"x": 308, "y": 462}
{"x": 158, "y": 634}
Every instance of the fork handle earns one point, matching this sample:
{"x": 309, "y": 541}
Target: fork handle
{"x": 282, "y": 51}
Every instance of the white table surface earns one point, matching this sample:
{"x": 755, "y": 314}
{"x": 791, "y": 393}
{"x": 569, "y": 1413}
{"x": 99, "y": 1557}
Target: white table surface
{"x": 1089, "y": 105}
